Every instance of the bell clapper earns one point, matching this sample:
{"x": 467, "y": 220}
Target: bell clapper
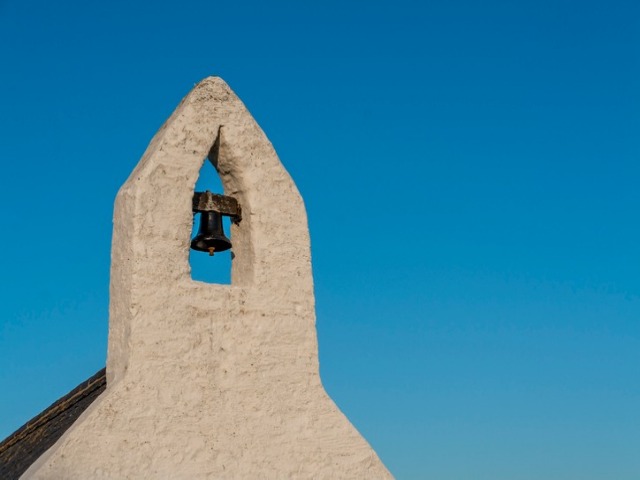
{"x": 211, "y": 249}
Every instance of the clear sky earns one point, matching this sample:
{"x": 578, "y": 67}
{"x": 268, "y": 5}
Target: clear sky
{"x": 470, "y": 171}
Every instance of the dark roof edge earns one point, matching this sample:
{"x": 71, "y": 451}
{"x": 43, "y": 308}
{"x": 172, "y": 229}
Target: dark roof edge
{"x": 86, "y": 388}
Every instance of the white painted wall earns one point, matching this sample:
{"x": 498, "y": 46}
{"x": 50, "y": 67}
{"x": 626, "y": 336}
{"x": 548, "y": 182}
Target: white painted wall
{"x": 205, "y": 380}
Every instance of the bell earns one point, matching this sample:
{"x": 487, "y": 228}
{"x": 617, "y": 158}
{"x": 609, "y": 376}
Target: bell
{"x": 210, "y": 237}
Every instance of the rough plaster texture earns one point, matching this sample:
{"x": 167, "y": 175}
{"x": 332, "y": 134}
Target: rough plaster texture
{"x": 206, "y": 380}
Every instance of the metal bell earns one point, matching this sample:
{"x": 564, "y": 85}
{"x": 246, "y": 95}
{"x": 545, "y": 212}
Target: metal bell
{"x": 210, "y": 237}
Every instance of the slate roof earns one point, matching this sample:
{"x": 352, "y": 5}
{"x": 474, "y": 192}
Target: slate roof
{"x": 23, "y": 447}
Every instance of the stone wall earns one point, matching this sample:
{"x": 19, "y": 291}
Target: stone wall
{"x": 206, "y": 380}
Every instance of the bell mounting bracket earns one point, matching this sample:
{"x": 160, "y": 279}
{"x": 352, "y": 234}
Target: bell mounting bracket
{"x": 213, "y": 202}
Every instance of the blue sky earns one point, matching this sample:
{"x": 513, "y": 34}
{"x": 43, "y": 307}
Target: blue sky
{"x": 470, "y": 171}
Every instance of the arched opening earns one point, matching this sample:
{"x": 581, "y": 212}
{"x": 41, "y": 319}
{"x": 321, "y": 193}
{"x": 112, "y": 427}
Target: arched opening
{"x": 206, "y": 268}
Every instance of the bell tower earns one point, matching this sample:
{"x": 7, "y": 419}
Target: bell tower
{"x": 208, "y": 380}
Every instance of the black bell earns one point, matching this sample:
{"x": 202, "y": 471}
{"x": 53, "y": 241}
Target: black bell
{"x": 210, "y": 237}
